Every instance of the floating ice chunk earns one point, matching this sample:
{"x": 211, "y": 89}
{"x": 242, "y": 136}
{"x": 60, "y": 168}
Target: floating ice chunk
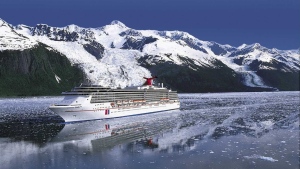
{"x": 267, "y": 124}
{"x": 255, "y": 156}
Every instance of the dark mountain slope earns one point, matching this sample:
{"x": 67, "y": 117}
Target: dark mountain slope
{"x": 190, "y": 77}
{"x": 32, "y": 72}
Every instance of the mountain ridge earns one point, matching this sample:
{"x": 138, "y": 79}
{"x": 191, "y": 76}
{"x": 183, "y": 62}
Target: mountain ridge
{"x": 117, "y": 56}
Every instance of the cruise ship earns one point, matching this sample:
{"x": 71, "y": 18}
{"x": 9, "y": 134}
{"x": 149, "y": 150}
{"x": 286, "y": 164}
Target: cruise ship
{"x": 91, "y": 102}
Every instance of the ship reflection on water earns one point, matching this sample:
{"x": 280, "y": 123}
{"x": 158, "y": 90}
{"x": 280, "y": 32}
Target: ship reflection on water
{"x": 99, "y": 134}
{"x": 163, "y": 134}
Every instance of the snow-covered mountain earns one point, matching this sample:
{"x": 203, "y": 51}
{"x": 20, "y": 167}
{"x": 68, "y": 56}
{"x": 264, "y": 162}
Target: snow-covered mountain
{"x": 116, "y": 55}
{"x": 11, "y": 40}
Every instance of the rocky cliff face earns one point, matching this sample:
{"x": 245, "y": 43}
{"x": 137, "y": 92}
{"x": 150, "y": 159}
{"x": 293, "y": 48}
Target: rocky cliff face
{"x": 36, "y": 71}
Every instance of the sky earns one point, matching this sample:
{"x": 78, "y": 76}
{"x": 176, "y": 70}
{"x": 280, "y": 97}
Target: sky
{"x": 272, "y": 23}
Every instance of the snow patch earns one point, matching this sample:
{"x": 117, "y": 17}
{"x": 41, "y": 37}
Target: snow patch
{"x": 58, "y": 79}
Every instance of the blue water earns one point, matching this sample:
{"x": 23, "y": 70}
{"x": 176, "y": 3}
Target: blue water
{"x": 221, "y": 130}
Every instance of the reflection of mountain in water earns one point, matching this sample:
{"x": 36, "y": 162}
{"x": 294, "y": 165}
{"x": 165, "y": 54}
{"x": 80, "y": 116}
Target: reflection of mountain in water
{"x": 35, "y": 132}
{"x": 175, "y": 134}
{"x": 201, "y": 117}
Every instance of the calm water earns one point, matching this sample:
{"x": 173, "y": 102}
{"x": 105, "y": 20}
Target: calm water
{"x": 229, "y": 130}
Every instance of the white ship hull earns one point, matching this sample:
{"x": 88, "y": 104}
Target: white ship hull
{"x": 95, "y": 102}
{"x": 89, "y": 112}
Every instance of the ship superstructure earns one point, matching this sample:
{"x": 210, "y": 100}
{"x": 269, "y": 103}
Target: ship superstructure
{"x": 88, "y": 102}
